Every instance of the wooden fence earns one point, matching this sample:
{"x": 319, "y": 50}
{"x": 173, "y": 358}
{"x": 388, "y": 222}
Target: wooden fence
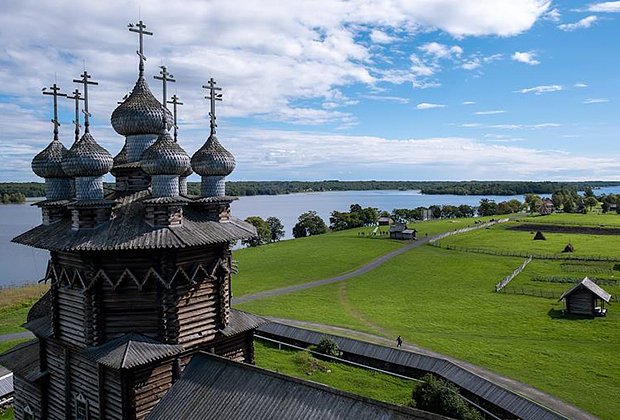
{"x": 499, "y": 286}
{"x": 548, "y": 294}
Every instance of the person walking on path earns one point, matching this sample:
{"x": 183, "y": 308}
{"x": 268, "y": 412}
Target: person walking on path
{"x": 399, "y": 341}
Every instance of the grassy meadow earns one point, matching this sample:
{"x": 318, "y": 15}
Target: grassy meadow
{"x": 501, "y": 239}
{"x": 444, "y": 300}
{"x": 365, "y": 382}
{"x": 292, "y": 262}
{"x": 15, "y": 303}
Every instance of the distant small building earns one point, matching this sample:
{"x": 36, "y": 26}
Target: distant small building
{"x": 400, "y": 231}
{"x": 586, "y": 298}
{"x": 385, "y": 221}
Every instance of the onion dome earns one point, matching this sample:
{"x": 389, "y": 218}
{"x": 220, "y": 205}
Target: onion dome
{"x": 165, "y": 157}
{"x": 121, "y": 158}
{"x": 212, "y": 159}
{"x": 188, "y": 172}
{"x": 48, "y": 163}
{"x": 141, "y": 113}
{"x": 87, "y": 158}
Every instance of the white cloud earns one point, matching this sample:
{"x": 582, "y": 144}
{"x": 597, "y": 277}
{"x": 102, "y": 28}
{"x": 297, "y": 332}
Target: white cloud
{"x": 426, "y": 105}
{"x": 468, "y": 103}
{"x": 595, "y": 100}
{"x": 386, "y": 98}
{"x": 538, "y": 90}
{"x": 275, "y": 152}
{"x": 493, "y": 112}
{"x": 605, "y": 7}
{"x": 552, "y": 15}
{"x": 512, "y": 126}
{"x": 380, "y": 37}
{"x": 526, "y": 57}
{"x": 580, "y": 85}
{"x": 584, "y": 23}
{"x": 438, "y": 51}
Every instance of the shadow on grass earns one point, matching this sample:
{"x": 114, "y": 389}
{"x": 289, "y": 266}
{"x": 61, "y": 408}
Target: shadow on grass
{"x": 559, "y": 314}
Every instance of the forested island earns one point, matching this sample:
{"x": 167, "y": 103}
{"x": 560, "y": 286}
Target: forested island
{"x": 247, "y": 188}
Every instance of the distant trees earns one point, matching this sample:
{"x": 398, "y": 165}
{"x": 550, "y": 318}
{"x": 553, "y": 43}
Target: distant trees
{"x": 533, "y": 202}
{"x": 590, "y": 202}
{"x": 309, "y": 224}
{"x": 263, "y": 232}
{"x": 487, "y": 207}
{"x": 356, "y": 217}
{"x": 12, "y": 198}
{"x": 276, "y": 229}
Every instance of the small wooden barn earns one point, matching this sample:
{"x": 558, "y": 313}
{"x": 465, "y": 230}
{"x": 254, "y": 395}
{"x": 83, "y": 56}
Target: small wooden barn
{"x": 385, "y": 221}
{"x": 400, "y": 231}
{"x": 586, "y": 298}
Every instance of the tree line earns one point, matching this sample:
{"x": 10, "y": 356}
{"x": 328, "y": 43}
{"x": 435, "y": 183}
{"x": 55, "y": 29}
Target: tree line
{"x": 249, "y": 188}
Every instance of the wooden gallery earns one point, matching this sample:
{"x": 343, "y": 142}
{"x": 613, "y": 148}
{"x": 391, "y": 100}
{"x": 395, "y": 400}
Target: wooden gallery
{"x": 139, "y": 297}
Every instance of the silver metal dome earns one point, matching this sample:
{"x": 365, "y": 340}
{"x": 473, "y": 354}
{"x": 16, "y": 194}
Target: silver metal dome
{"x": 165, "y": 157}
{"x": 87, "y": 158}
{"x": 141, "y": 113}
{"x": 48, "y": 163}
{"x": 212, "y": 159}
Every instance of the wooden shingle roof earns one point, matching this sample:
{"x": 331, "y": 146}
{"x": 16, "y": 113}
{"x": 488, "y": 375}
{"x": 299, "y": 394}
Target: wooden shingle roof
{"x": 588, "y": 284}
{"x": 212, "y": 387}
{"x": 129, "y": 230}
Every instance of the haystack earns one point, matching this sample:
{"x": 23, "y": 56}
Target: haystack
{"x": 569, "y": 248}
{"x": 539, "y": 236}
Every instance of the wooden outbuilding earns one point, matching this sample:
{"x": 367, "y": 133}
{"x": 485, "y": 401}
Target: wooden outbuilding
{"x": 586, "y": 298}
{"x": 400, "y": 231}
{"x": 385, "y": 221}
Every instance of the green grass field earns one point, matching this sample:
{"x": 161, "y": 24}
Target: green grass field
{"x": 577, "y": 219}
{"x": 501, "y": 238}
{"x": 365, "y": 382}
{"x": 291, "y": 262}
{"x": 444, "y": 300}
{"x": 15, "y": 304}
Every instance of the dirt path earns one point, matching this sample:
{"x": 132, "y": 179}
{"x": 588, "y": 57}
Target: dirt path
{"x": 517, "y": 387}
{"x": 358, "y": 272}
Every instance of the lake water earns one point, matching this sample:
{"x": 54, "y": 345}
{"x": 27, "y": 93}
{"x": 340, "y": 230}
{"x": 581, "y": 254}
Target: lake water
{"x": 21, "y": 264}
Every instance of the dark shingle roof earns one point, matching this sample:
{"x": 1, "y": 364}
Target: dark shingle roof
{"x": 165, "y": 157}
{"x": 86, "y": 158}
{"x": 506, "y": 399}
{"x": 589, "y": 285}
{"x": 212, "y": 159}
{"x": 131, "y": 350}
{"x": 212, "y": 387}
{"x": 23, "y": 360}
{"x": 48, "y": 163}
{"x": 6, "y": 383}
{"x": 129, "y": 230}
{"x": 241, "y": 322}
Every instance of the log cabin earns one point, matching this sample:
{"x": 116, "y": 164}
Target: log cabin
{"x": 586, "y": 298}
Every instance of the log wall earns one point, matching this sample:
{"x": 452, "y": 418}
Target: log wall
{"x": 56, "y": 380}
{"x": 26, "y": 393}
{"x": 150, "y": 385}
{"x": 84, "y": 379}
{"x": 70, "y": 316}
{"x": 112, "y": 394}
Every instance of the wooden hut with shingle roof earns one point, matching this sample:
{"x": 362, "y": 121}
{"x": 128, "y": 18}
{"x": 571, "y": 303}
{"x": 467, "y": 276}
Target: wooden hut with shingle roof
{"x": 586, "y": 298}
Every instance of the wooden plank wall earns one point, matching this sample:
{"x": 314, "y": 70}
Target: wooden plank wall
{"x": 150, "y": 385}
{"x": 70, "y": 315}
{"x": 581, "y": 302}
{"x": 26, "y": 393}
{"x": 56, "y": 380}
{"x": 238, "y": 348}
{"x": 198, "y": 314}
{"x": 85, "y": 380}
{"x": 112, "y": 393}
{"x": 128, "y": 309}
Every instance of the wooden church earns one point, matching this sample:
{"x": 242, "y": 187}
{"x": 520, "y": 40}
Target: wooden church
{"x": 139, "y": 276}
{"x": 137, "y": 322}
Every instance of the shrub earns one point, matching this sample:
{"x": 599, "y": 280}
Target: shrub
{"x": 328, "y": 347}
{"x": 441, "y": 397}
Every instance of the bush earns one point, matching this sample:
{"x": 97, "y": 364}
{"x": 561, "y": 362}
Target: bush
{"x": 328, "y": 347}
{"x": 309, "y": 364}
{"x": 441, "y": 397}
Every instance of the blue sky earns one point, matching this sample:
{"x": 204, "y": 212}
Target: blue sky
{"x": 368, "y": 89}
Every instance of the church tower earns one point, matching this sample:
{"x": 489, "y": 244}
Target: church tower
{"x": 139, "y": 275}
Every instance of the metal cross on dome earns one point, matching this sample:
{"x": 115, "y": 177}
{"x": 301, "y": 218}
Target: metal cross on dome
{"x": 175, "y": 101}
{"x": 77, "y": 97}
{"x": 165, "y": 78}
{"x": 84, "y": 80}
{"x": 213, "y": 96}
{"x": 55, "y": 93}
{"x": 139, "y": 28}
